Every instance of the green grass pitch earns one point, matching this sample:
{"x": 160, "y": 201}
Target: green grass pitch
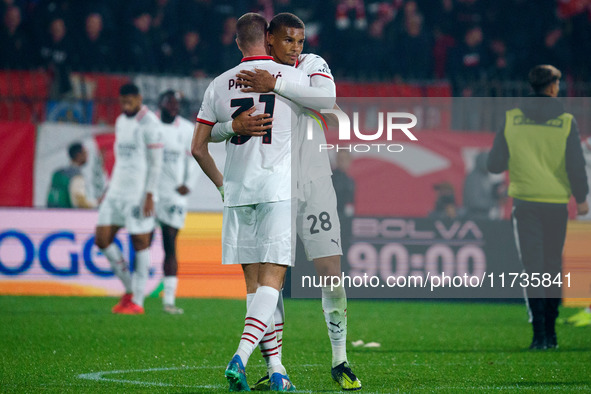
{"x": 53, "y": 344}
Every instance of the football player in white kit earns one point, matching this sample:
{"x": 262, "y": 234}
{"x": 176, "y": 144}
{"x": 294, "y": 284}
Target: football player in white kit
{"x": 257, "y": 183}
{"x": 317, "y": 220}
{"x": 130, "y": 198}
{"x": 176, "y": 180}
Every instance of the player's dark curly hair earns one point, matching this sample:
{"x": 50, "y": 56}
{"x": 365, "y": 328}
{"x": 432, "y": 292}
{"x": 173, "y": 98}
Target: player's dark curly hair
{"x": 285, "y": 19}
{"x": 129, "y": 88}
{"x": 164, "y": 95}
{"x": 74, "y": 149}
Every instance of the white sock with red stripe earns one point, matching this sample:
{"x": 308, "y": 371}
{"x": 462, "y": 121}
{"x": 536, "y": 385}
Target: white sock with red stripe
{"x": 268, "y": 345}
{"x": 334, "y": 306}
{"x": 258, "y": 318}
{"x": 279, "y": 317}
{"x": 139, "y": 278}
{"x": 118, "y": 264}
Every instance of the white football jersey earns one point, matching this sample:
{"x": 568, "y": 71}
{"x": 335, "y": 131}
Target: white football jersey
{"x": 257, "y": 169}
{"x": 133, "y": 137}
{"x": 314, "y": 163}
{"x": 178, "y": 165}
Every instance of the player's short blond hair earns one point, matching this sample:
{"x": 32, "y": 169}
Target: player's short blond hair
{"x": 250, "y": 30}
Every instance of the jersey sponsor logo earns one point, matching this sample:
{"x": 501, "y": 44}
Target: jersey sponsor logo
{"x": 126, "y": 150}
{"x": 171, "y": 156}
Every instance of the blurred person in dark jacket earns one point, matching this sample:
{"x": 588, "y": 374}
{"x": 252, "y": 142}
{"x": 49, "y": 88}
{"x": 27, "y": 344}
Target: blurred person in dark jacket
{"x": 540, "y": 146}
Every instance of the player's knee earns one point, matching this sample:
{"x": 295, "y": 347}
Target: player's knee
{"x": 101, "y": 242}
{"x": 140, "y": 243}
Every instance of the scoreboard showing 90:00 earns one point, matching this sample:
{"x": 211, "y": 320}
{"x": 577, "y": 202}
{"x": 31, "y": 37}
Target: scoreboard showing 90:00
{"x": 388, "y": 248}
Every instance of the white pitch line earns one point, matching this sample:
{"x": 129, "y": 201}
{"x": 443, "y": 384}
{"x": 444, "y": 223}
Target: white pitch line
{"x": 100, "y": 376}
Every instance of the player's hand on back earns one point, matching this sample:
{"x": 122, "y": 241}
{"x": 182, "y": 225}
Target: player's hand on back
{"x": 254, "y": 126}
{"x": 257, "y": 81}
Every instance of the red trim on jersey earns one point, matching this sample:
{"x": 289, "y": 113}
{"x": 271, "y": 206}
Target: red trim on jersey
{"x": 297, "y": 63}
{"x": 207, "y": 122}
{"x": 143, "y": 111}
{"x": 177, "y": 122}
{"x": 251, "y": 58}
{"x": 323, "y": 75}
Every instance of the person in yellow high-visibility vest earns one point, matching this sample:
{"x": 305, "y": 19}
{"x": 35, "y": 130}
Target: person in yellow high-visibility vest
{"x": 540, "y": 146}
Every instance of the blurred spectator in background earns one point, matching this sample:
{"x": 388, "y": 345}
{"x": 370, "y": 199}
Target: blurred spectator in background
{"x": 554, "y": 48}
{"x": 344, "y": 187}
{"x": 466, "y": 14}
{"x": 417, "y": 48}
{"x": 467, "y": 63}
{"x": 378, "y": 40}
{"x": 141, "y": 54}
{"x": 95, "y": 52}
{"x": 228, "y": 51}
{"x": 165, "y": 31}
{"x": 350, "y": 24}
{"x": 14, "y": 42}
{"x": 58, "y": 54}
{"x": 501, "y": 62}
{"x": 445, "y": 202}
{"x": 68, "y": 188}
{"x": 189, "y": 57}
{"x": 480, "y": 194}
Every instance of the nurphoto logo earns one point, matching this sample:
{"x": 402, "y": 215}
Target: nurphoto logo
{"x": 391, "y": 119}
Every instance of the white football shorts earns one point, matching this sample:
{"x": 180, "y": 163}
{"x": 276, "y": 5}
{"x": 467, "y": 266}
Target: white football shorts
{"x": 128, "y": 214}
{"x": 171, "y": 213}
{"x": 318, "y": 224}
{"x": 260, "y": 233}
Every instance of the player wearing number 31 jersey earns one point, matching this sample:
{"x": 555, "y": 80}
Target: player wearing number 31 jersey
{"x": 257, "y": 228}
{"x": 257, "y": 170}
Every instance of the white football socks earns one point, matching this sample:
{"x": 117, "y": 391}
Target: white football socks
{"x": 268, "y": 346}
{"x": 119, "y": 265}
{"x": 170, "y": 285}
{"x": 259, "y": 316}
{"x": 139, "y": 278}
{"x": 334, "y": 306}
{"x": 279, "y": 317}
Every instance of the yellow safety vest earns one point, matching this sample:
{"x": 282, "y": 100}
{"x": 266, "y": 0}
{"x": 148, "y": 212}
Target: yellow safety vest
{"x": 537, "y": 165}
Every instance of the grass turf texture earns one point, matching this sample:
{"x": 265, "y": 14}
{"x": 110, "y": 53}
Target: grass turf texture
{"x": 48, "y": 342}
